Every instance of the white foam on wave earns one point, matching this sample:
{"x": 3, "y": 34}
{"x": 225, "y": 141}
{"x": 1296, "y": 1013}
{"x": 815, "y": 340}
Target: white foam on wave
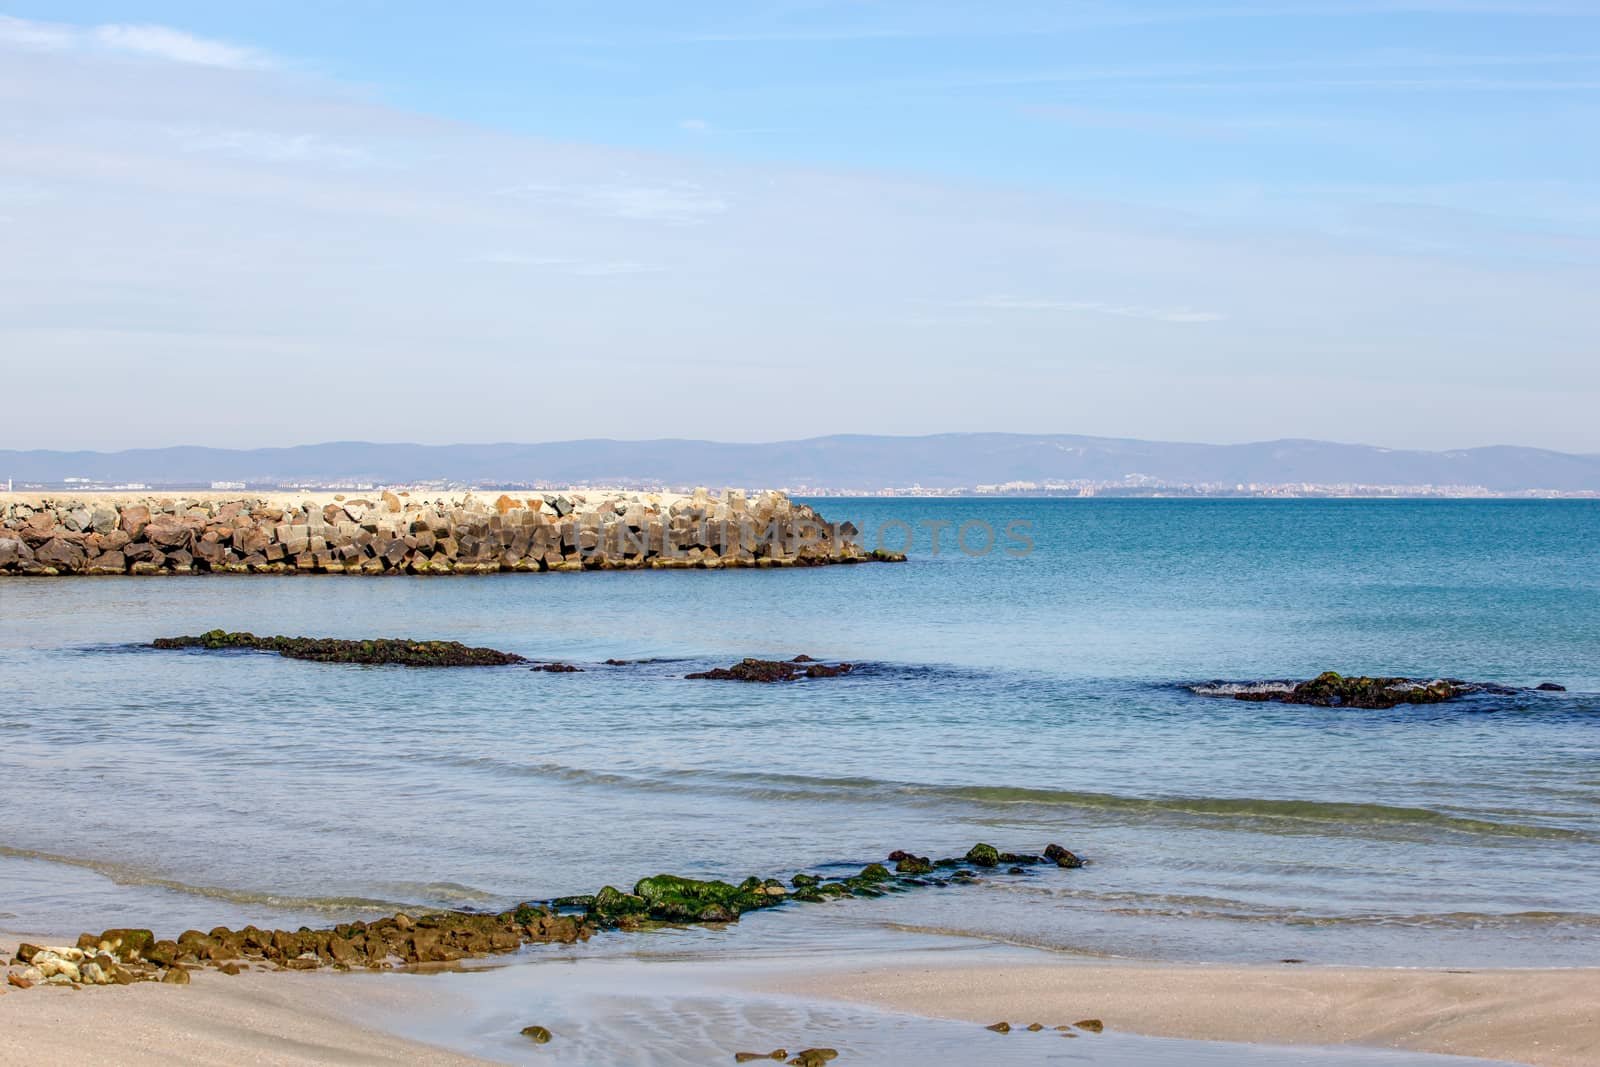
{"x": 1228, "y": 689}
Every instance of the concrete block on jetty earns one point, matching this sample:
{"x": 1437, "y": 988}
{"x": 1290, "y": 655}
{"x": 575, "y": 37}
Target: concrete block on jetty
{"x": 395, "y": 532}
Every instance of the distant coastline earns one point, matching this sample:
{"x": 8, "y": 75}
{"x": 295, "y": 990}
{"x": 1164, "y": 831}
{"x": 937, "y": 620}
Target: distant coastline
{"x": 1100, "y": 491}
{"x": 959, "y": 464}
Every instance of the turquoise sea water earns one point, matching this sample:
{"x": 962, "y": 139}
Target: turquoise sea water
{"x": 1012, "y": 699}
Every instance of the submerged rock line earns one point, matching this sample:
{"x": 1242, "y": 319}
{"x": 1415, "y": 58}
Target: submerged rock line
{"x": 124, "y": 955}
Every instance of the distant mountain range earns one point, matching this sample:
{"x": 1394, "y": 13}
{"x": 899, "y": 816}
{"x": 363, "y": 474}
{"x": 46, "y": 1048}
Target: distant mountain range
{"x": 843, "y": 462}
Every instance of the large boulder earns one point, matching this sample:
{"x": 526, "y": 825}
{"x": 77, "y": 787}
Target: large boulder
{"x": 109, "y": 563}
{"x": 13, "y": 550}
{"x": 135, "y": 517}
{"x": 61, "y": 554}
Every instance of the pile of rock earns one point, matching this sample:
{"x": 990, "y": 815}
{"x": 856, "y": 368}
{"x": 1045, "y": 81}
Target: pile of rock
{"x": 125, "y": 956}
{"x": 398, "y": 534}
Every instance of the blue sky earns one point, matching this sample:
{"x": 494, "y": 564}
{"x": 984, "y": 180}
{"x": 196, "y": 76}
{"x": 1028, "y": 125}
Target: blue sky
{"x": 1217, "y": 221}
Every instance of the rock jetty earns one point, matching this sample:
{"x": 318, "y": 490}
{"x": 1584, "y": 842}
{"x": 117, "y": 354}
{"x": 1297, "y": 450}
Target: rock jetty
{"x": 398, "y": 533}
{"x": 126, "y": 955}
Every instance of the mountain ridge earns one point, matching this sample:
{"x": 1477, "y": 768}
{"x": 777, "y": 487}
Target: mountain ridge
{"x": 838, "y": 462}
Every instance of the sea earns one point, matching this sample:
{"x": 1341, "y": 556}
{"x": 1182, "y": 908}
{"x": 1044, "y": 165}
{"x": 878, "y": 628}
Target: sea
{"x": 1040, "y": 671}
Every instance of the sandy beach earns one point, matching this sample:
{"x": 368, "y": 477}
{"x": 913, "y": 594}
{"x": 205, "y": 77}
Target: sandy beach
{"x": 273, "y": 1020}
{"x": 1549, "y": 1018}
{"x": 1546, "y": 1017}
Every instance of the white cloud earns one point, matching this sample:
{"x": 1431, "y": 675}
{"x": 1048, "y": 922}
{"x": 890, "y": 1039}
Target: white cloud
{"x": 694, "y": 125}
{"x": 272, "y": 147}
{"x": 677, "y": 203}
{"x": 1125, "y": 311}
{"x": 161, "y": 42}
{"x": 151, "y": 42}
{"x": 579, "y": 267}
{"x": 164, "y": 210}
{"x": 44, "y": 36}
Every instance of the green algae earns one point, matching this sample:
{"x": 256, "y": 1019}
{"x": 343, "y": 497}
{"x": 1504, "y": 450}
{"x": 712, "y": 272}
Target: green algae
{"x": 387, "y": 650}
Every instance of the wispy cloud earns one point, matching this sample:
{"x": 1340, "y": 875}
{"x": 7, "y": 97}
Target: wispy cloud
{"x": 147, "y": 41}
{"x": 561, "y": 264}
{"x": 42, "y": 36}
{"x": 1094, "y": 307}
{"x": 268, "y": 146}
{"x": 160, "y": 42}
{"x": 676, "y": 204}
{"x": 694, "y": 125}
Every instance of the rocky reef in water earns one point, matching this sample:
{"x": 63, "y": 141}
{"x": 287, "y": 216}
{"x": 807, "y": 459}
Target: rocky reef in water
{"x": 772, "y": 670}
{"x": 123, "y": 956}
{"x": 385, "y": 650}
{"x": 396, "y": 533}
{"x": 1332, "y": 690}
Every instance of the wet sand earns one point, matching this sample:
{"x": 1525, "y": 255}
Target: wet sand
{"x": 1545, "y": 1017}
{"x": 274, "y": 1020}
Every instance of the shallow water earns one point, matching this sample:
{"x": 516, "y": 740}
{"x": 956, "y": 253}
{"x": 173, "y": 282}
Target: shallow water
{"x": 1018, "y": 700}
{"x": 701, "y": 1008}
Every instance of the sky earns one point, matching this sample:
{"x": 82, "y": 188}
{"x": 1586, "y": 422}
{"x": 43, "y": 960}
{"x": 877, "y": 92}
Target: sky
{"x": 256, "y": 224}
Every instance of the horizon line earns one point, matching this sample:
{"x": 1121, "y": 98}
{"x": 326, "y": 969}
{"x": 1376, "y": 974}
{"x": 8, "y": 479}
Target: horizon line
{"x": 803, "y": 440}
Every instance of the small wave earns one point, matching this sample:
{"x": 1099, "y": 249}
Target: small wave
{"x": 1225, "y": 689}
{"x": 450, "y": 894}
{"x": 1460, "y": 920}
{"x": 1267, "y": 815}
{"x": 127, "y": 875}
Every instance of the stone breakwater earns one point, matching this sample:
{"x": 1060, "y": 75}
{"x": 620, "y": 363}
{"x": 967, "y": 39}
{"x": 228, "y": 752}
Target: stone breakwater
{"x": 397, "y": 533}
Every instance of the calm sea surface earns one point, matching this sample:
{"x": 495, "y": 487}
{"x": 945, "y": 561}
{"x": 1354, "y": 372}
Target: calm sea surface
{"x": 1015, "y": 700}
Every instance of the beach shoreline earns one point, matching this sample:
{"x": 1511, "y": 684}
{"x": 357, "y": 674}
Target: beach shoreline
{"x": 1546, "y": 1017}
{"x": 272, "y": 1020}
{"x": 1542, "y": 1017}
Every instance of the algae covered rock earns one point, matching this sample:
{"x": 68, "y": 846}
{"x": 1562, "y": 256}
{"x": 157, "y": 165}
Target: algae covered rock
{"x": 539, "y": 1035}
{"x": 1333, "y": 690}
{"x": 674, "y": 899}
{"x": 125, "y": 955}
{"x": 982, "y": 855}
{"x": 907, "y": 863}
{"x": 1062, "y": 857}
{"x": 613, "y": 906}
{"x": 388, "y": 650}
{"x": 1330, "y": 689}
{"x": 770, "y": 670}
{"x": 814, "y": 1057}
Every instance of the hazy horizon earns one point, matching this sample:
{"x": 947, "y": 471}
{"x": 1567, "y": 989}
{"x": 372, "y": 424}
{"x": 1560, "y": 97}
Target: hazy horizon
{"x": 1367, "y": 221}
{"x": 114, "y": 449}
{"x": 854, "y": 462}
